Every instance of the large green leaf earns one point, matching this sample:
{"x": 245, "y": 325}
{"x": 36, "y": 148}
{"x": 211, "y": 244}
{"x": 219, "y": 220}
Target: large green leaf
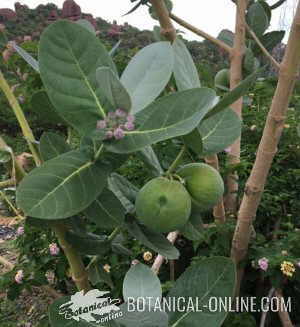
{"x": 148, "y": 73}
{"x": 156, "y": 242}
{"x": 62, "y": 186}
{"x": 106, "y": 211}
{"x": 69, "y": 56}
{"x": 87, "y": 25}
{"x": 185, "y": 71}
{"x": 171, "y": 116}
{"x": 148, "y": 318}
{"x": 52, "y": 145}
{"x": 123, "y": 190}
{"x": 193, "y": 229}
{"x": 44, "y": 109}
{"x": 112, "y": 89}
{"x": 88, "y": 243}
{"x": 257, "y": 18}
{"x": 219, "y": 131}
{"x": 209, "y": 278}
{"x": 141, "y": 282}
{"x": 235, "y": 94}
{"x": 269, "y": 40}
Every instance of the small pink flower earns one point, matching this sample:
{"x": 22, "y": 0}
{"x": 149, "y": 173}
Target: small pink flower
{"x": 263, "y": 264}
{"x": 101, "y": 124}
{"x": 227, "y": 150}
{"x": 118, "y": 133}
{"x": 109, "y": 134}
{"x": 129, "y": 126}
{"x": 134, "y": 262}
{"x": 19, "y": 276}
{"x": 130, "y": 118}
{"x": 20, "y": 231}
{"x": 54, "y": 249}
{"x": 120, "y": 113}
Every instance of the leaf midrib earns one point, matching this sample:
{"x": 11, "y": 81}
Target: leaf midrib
{"x": 77, "y": 171}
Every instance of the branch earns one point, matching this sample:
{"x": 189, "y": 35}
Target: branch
{"x": 263, "y": 49}
{"x": 283, "y": 315}
{"x": 269, "y": 142}
{"x": 167, "y": 28}
{"x": 201, "y": 33}
{"x": 159, "y": 260}
{"x": 277, "y": 4}
{"x": 264, "y": 314}
{"x": 9, "y": 182}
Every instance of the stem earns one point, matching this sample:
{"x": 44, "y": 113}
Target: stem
{"x": 9, "y": 182}
{"x": 268, "y": 144}
{"x": 13, "y": 208}
{"x": 219, "y": 210}
{"x": 27, "y": 132}
{"x": 201, "y": 33}
{"x": 79, "y": 274}
{"x": 283, "y": 315}
{"x": 177, "y": 160}
{"x": 114, "y": 233}
{"x": 167, "y": 28}
{"x": 159, "y": 260}
{"x": 236, "y": 64}
{"x": 263, "y": 49}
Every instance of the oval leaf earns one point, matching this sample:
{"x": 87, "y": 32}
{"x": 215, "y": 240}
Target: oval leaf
{"x": 52, "y": 145}
{"x": 112, "y": 89}
{"x": 69, "y": 56}
{"x": 141, "y": 282}
{"x": 148, "y": 73}
{"x": 213, "y": 277}
{"x": 185, "y": 71}
{"x": 257, "y": 18}
{"x": 61, "y": 187}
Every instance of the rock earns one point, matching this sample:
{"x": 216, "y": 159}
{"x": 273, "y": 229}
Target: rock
{"x": 71, "y": 10}
{"x": 7, "y": 14}
{"x": 53, "y": 16}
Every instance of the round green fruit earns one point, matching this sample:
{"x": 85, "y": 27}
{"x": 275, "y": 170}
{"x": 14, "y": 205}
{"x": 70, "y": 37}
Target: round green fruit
{"x": 222, "y": 79}
{"x": 204, "y": 184}
{"x": 163, "y": 205}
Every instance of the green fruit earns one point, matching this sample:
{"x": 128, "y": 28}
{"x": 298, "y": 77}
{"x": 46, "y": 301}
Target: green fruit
{"x": 222, "y": 79}
{"x": 204, "y": 183}
{"x": 163, "y": 205}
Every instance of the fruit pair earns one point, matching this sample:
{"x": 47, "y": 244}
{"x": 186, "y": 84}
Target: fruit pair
{"x": 164, "y": 205}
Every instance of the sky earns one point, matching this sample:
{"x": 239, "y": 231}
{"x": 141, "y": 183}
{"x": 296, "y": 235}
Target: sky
{"x": 209, "y": 15}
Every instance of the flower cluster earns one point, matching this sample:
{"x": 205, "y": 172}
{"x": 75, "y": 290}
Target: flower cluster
{"x": 54, "y": 249}
{"x": 287, "y": 268}
{"x": 20, "y": 231}
{"x": 263, "y": 264}
{"x": 116, "y": 123}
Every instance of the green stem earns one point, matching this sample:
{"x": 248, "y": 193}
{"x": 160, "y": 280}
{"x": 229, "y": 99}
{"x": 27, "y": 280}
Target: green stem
{"x": 114, "y": 233}
{"x": 177, "y": 160}
{"x": 9, "y": 182}
{"x": 79, "y": 274}
{"x": 13, "y": 208}
{"x": 27, "y": 132}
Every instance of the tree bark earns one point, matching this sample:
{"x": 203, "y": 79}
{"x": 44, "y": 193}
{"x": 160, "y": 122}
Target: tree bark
{"x": 268, "y": 144}
{"x": 236, "y": 64}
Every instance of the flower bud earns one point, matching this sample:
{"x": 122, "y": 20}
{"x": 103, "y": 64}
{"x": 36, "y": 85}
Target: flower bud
{"x": 129, "y": 126}
{"x": 118, "y": 133}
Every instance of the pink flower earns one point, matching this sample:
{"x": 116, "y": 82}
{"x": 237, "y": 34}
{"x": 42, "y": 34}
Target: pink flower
{"x": 54, "y": 249}
{"x": 101, "y": 124}
{"x": 109, "y": 134}
{"x": 19, "y": 276}
{"x": 263, "y": 264}
{"x": 227, "y": 150}
{"x": 129, "y": 126}
{"x": 130, "y": 118}
{"x": 120, "y": 113}
{"x": 134, "y": 262}
{"x": 118, "y": 133}
{"x": 20, "y": 231}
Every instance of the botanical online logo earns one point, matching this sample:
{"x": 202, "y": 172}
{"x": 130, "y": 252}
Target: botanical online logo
{"x": 94, "y": 306}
